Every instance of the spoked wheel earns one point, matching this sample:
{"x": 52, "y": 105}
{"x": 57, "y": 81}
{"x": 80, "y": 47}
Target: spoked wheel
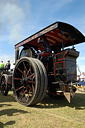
{"x": 43, "y": 80}
{"x": 3, "y": 85}
{"x": 27, "y": 79}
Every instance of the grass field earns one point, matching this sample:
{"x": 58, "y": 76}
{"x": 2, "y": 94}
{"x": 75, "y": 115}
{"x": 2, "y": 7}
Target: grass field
{"x": 49, "y": 113}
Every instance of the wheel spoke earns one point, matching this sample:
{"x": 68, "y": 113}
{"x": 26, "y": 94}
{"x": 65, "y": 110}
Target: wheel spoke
{"x": 33, "y": 82}
{"x": 28, "y": 96}
{"x": 3, "y": 81}
{"x": 33, "y": 88}
{"x": 28, "y": 72}
{"x": 20, "y": 70}
{"x": 22, "y": 95}
{"x": 27, "y": 91}
{"x": 24, "y": 73}
{"x": 32, "y": 75}
{"x": 17, "y": 78}
{"x": 25, "y": 66}
{"x": 20, "y": 88}
{"x": 3, "y": 84}
{"x": 30, "y": 88}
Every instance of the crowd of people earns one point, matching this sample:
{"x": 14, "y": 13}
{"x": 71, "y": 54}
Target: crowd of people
{"x": 5, "y": 66}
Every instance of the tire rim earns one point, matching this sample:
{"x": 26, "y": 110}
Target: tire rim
{"x": 24, "y": 81}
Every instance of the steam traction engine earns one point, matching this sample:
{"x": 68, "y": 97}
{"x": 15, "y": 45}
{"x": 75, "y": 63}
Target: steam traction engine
{"x": 54, "y": 74}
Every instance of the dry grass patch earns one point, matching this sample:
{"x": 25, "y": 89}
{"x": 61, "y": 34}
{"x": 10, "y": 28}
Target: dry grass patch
{"x": 49, "y": 113}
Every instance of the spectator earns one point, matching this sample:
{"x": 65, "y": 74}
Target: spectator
{"x": 1, "y": 65}
{"x": 82, "y": 77}
{"x": 7, "y": 66}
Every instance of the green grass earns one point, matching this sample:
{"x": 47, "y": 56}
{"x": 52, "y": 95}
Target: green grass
{"x": 49, "y": 113}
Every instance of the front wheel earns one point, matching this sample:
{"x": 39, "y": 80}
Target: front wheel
{"x": 27, "y": 81}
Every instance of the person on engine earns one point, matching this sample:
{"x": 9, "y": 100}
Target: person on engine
{"x": 45, "y": 44}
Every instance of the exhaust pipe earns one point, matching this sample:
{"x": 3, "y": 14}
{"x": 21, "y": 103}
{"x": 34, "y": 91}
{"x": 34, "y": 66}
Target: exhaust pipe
{"x": 16, "y": 54}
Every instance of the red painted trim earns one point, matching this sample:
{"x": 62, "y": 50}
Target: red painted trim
{"x": 46, "y": 54}
{"x": 52, "y": 74}
{"x": 63, "y": 55}
{"x": 58, "y": 54}
{"x": 9, "y": 83}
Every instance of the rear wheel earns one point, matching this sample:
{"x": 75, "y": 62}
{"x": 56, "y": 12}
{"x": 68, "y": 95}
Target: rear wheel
{"x": 3, "y": 84}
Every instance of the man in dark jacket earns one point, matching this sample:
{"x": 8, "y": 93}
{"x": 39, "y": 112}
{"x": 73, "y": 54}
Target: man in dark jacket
{"x": 7, "y": 66}
{"x": 46, "y": 46}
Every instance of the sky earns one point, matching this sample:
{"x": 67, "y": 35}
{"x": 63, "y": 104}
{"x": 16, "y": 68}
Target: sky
{"x": 20, "y": 19}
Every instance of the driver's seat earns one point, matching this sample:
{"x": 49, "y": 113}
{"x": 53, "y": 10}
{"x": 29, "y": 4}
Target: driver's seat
{"x": 46, "y": 54}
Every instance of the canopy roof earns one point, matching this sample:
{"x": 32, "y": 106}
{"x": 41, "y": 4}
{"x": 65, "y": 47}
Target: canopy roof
{"x": 57, "y": 33}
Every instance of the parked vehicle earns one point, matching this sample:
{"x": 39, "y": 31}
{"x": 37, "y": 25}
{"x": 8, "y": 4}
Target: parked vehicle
{"x": 32, "y": 79}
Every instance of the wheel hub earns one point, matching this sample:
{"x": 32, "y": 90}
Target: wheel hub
{"x": 24, "y": 81}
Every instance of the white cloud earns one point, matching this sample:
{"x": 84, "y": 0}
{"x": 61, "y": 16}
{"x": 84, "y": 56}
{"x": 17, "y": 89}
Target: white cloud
{"x": 81, "y": 58}
{"x": 13, "y": 16}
